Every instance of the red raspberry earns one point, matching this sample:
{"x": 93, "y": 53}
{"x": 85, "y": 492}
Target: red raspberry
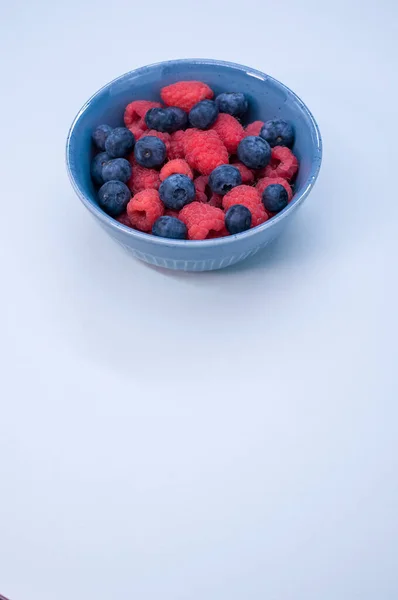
{"x": 165, "y": 137}
{"x": 230, "y": 131}
{"x": 176, "y": 149}
{"x": 266, "y": 181}
{"x": 249, "y": 197}
{"x": 175, "y": 166}
{"x": 223, "y": 233}
{"x": 246, "y": 174}
{"x": 141, "y": 178}
{"x": 124, "y": 219}
{"x": 204, "y": 151}
{"x": 188, "y": 133}
{"x": 171, "y": 213}
{"x": 185, "y": 94}
{"x": 254, "y": 128}
{"x": 201, "y": 186}
{"x": 203, "y": 221}
{"x": 191, "y": 131}
{"x": 138, "y": 128}
{"x": 216, "y": 200}
{"x": 283, "y": 163}
{"x": 137, "y": 110}
{"x": 144, "y": 209}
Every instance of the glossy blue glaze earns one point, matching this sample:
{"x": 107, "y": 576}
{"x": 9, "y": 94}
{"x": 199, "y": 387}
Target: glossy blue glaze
{"x": 267, "y": 99}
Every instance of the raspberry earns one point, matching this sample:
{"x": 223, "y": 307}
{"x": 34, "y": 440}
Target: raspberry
{"x": 138, "y": 128}
{"x": 249, "y": 197}
{"x": 223, "y": 232}
{"x": 254, "y": 128}
{"x": 124, "y": 219}
{"x": 216, "y": 200}
{"x": 283, "y": 163}
{"x": 204, "y": 151}
{"x": 185, "y": 94}
{"x": 175, "y": 166}
{"x": 137, "y": 110}
{"x": 201, "y": 186}
{"x": 202, "y": 220}
{"x": 189, "y": 132}
{"x": 144, "y": 209}
{"x": 263, "y": 183}
{"x": 142, "y": 178}
{"x": 165, "y": 137}
{"x": 171, "y": 213}
{"x": 246, "y": 174}
{"x": 176, "y": 149}
{"x": 230, "y": 131}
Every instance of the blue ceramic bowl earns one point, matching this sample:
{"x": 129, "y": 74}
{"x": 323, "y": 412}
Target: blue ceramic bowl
{"x": 267, "y": 99}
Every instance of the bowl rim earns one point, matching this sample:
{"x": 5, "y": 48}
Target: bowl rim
{"x": 223, "y": 241}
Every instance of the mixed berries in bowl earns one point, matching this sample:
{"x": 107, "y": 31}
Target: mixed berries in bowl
{"x": 193, "y": 150}
{"x": 193, "y": 164}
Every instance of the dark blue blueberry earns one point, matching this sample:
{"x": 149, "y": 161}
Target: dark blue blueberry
{"x": 113, "y": 197}
{"x": 160, "y": 119}
{"x": 274, "y": 197}
{"x": 176, "y": 191}
{"x": 117, "y": 169}
{"x": 96, "y": 167}
{"x": 100, "y": 135}
{"x": 170, "y": 227}
{"x": 203, "y": 114}
{"x": 224, "y": 178}
{"x": 166, "y": 119}
{"x": 150, "y": 151}
{"x": 120, "y": 142}
{"x": 278, "y": 133}
{"x": 238, "y": 218}
{"x": 180, "y": 118}
{"x": 254, "y": 152}
{"x": 233, "y": 103}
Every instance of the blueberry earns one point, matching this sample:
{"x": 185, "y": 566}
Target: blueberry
{"x": 238, "y": 218}
{"x": 176, "y": 191}
{"x": 278, "y": 133}
{"x": 180, "y": 118}
{"x": 233, "y": 103}
{"x": 254, "y": 152}
{"x": 275, "y": 197}
{"x": 150, "y": 151}
{"x": 113, "y": 197}
{"x": 170, "y": 227}
{"x": 117, "y": 169}
{"x": 166, "y": 119}
{"x": 224, "y": 178}
{"x": 160, "y": 119}
{"x": 100, "y": 135}
{"x": 203, "y": 114}
{"x": 119, "y": 143}
{"x": 96, "y": 167}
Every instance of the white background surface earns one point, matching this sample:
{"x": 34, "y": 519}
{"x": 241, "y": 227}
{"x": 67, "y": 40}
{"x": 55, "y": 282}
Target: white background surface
{"x": 229, "y": 435}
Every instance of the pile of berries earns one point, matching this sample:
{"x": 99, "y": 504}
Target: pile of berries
{"x": 189, "y": 169}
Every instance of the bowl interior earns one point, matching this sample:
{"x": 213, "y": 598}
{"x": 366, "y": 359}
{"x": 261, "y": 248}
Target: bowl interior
{"x": 267, "y": 99}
